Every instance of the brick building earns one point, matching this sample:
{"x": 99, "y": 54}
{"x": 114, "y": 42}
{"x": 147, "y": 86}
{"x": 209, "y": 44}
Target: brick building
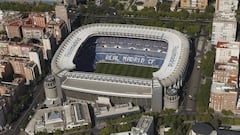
{"x": 224, "y": 89}
{"x": 13, "y": 29}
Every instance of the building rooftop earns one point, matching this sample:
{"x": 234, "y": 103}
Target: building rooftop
{"x": 143, "y": 127}
{"x": 224, "y": 16}
{"x": 171, "y": 91}
{"x": 56, "y": 21}
{"x": 103, "y": 88}
{"x": 230, "y": 45}
{"x": 220, "y": 87}
{"x": 35, "y": 49}
{"x": 144, "y": 123}
{"x": 202, "y": 128}
{"x": 63, "y": 117}
{"x": 15, "y": 23}
{"x": 225, "y": 67}
{"x": 116, "y": 110}
{"x": 30, "y": 64}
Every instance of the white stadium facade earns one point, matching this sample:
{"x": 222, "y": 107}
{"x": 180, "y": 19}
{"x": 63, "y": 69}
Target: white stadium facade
{"x": 164, "y": 48}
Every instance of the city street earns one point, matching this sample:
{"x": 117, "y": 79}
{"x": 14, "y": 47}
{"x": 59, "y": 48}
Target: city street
{"x": 193, "y": 84}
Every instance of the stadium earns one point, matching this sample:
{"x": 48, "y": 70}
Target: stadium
{"x": 125, "y": 63}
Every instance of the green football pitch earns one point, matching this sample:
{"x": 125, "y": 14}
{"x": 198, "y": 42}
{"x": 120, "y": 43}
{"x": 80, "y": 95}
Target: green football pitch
{"x": 125, "y": 70}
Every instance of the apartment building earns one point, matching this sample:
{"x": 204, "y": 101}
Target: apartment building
{"x": 224, "y": 89}
{"x": 193, "y": 4}
{"x": 226, "y": 5}
{"x": 224, "y": 27}
{"x": 62, "y": 13}
{"x": 13, "y": 29}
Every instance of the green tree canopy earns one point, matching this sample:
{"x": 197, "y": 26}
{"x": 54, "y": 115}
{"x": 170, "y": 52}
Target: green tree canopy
{"x": 210, "y": 8}
{"x": 26, "y": 7}
{"x": 207, "y": 63}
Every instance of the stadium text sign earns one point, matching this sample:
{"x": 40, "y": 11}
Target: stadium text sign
{"x": 131, "y": 59}
{"x": 173, "y": 57}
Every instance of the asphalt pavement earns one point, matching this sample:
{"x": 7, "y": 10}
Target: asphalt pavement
{"x": 193, "y": 84}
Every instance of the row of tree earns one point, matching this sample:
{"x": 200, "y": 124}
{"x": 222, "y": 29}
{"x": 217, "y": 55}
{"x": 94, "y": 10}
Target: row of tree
{"x": 18, "y": 107}
{"x": 26, "y": 7}
{"x": 207, "y": 63}
{"x": 182, "y": 21}
{"x": 203, "y": 96}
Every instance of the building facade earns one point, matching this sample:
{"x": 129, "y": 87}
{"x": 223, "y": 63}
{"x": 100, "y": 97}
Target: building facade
{"x": 224, "y": 89}
{"x": 30, "y": 32}
{"x": 62, "y": 13}
{"x": 31, "y": 71}
{"x": 226, "y": 5}
{"x": 58, "y": 28}
{"x": 6, "y": 70}
{"x": 13, "y": 29}
{"x": 224, "y": 27}
{"x": 36, "y": 55}
{"x": 193, "y": 4}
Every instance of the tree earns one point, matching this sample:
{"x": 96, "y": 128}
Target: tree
{"x": 120, "y": 6}
{"x": 203, "y": 97}
{"x": 3, "y": 32}
{"x": 114, "y": 3}
{"x": 124, "y": 127}
{"x": 209, "y": 28}
{"x": 108, "y": 130}
{"x": 10, "y": 118}
{"x": 193, "y": 29}
{"x": 210, "y": 110}
{"x": 183, "y": 14}
{"x": 227, "y": 112}
{"x": 207, "y": 63}
{"x": 209, "y": 8}
{"x": 57, "y": 132}
{"x": 134, "y": 7}
{"x": 26, "y": 7}
{"x": 42, "y": 133}
{"x": 163, "y": 7}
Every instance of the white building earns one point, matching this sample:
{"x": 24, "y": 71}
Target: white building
{"x": 99, "y": 2}
{"x": 53, "y": 97}
{"x": 226, "y": 50}
{"x": 145, "y": 126}
{"x": 49, "y": 45}
{"x": 61, "y": 117}
{"x": 224, "y": 27}
{"x": 62, "y": 13}
{"x": 108, "y": 112}
{"x": 36, "y": 56}
{"x": 83, "y": 84}
{"x": 226, "y": 5}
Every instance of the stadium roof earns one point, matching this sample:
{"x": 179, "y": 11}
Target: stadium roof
{"x": 172, "y": 69}
{"x": 85, "y": 82}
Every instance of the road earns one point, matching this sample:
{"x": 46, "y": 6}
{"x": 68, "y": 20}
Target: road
{"x": 194, "y": 81}
{"x": 16, "y": 128}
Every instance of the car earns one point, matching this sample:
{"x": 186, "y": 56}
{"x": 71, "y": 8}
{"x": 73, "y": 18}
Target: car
{"x": 199, "y": 61}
